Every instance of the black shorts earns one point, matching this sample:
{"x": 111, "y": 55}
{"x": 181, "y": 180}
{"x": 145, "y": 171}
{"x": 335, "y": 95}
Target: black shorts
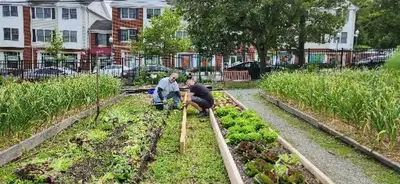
{"x": 201, "y": 102}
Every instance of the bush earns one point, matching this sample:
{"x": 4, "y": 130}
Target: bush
{"x": 394, "y": 62}
{"x": 28, "y": 105}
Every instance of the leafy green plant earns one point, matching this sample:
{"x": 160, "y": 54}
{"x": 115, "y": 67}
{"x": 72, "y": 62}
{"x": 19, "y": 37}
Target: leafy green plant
{"x": 367, "y": 99}
{"x": 26, "y": 107}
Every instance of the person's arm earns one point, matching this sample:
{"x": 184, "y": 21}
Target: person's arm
{"x": 160, "y": 89}
{"x": 159, "y": 92}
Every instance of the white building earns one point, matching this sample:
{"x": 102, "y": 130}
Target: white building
{"x": 11, "y": 34}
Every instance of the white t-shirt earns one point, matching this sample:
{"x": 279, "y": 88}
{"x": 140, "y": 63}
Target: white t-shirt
{"x": 166, "y": 86}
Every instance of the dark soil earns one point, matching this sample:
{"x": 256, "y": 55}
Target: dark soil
{"x": 238, "y": 158}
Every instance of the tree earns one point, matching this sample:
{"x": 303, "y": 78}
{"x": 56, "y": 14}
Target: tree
{"x": 160, "y": 39}
{"x": 314, "y": 21}
{"x": 56, "y": 46}
{"x": 379, "y": 23}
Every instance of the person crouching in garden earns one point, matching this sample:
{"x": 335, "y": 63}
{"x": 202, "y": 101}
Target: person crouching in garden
{"x": 199, "y": 97}
{"x": 167, "y": 88}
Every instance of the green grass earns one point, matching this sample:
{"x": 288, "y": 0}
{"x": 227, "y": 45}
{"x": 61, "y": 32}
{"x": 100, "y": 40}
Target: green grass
{"x": 202, "y": 162}
{"x": 374, "y": 170}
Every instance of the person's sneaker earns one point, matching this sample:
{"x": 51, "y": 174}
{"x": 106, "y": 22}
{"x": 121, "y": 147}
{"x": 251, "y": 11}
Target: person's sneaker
{"x": 203, "y": 113}
{"x": 174, "y": 107}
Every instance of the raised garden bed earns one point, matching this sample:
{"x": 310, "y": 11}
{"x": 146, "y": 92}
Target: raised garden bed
{"x": 255, "y": 151}
{"x": 117, "y": 149}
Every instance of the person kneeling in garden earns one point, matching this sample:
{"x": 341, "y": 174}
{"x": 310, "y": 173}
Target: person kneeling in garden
{"x": 199, "y": 97}
{"x": 167, "y": 88}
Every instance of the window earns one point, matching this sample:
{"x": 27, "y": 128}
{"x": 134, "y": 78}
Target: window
{"x": 181, "y": 34}
{"x": 11, "y": 59}
{"x": 102, "y": 39}
{"x": 10, "y": 11}
{"x": 69, "y": 14}
{"x": 11, "y": 34}
{"x": 153, "y": 12}
{"x": 128, "y": 34}
{"x": 128, "y": 13}
{"x": 70, "y": 36}
{"x": 343, "y": 38}
{"x": 44, "y": 13}
{"x": 43, "y": 35}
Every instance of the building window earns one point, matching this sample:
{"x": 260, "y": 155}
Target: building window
{"x": 10, "y": 11}
{"x": 102, "y": 39}
{"x": 181, "y": 34}
{"x": 70, "y": 36}
{"x": 43, "y": 13}
{"x": 11, "y": 34}
{"x": 153, "y": 12}
{"x": 128, "y": 34}
{"x": 343, "y": 38}
{"x": 11, "y": 59}
{"x": 69, "y": 14}
{"x": 128, "y": 13}
{"x": 43, "y": 35}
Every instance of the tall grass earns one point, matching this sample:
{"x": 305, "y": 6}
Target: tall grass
{"x": 26, "y": 107}
{"x": 368, "y": 100}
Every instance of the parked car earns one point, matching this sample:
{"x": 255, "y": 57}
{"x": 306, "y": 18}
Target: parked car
{"x": 116, "y": 71}
{"x": 372, "y": 61}
{"x": 47, "y": 72}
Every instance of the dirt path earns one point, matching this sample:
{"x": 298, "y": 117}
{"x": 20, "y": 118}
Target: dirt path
{"x": 339, "y": 169}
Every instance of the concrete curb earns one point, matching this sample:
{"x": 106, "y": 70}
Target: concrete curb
{"x": 17, "y": 150}
{"x": 313, "y": 121}
{"x": 306, "y": 163}
{"x": 230, "y": 165}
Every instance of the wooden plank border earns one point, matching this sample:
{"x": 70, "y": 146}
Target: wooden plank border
{"x": 229, "y": 162}
{"x": 306, "y": 163}
{"x": 182, "y": 141}
{"x": 348, "y": 140}
{"x": 17, "y": 150}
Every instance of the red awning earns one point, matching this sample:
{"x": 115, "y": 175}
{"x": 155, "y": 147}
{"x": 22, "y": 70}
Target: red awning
{"x": 101, "y": 51}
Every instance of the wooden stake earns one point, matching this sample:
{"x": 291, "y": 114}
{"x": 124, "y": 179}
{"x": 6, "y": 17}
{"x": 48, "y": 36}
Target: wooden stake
{"x": 97, "y": 88}
{"x": 182, "y": 141}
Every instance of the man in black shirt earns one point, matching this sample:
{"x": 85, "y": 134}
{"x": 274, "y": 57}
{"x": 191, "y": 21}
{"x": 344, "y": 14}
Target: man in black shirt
{"x": 199, "y": 97}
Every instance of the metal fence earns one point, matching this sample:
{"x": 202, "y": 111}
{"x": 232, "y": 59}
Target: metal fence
{"x": 197, "y": 65}
{"x": 331, "y": 58}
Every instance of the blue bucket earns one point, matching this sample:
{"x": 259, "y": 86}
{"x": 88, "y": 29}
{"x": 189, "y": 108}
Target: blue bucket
{"x": 151, "y": 91}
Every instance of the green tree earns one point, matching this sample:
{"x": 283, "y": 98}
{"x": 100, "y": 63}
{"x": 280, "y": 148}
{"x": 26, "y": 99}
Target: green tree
{"x": 56, "y": 46}
{"x": 314, "y": 21}
{"x": 159, "y": 39}
{"x": 222, "y": 26}
{"x": 379, "y": 23}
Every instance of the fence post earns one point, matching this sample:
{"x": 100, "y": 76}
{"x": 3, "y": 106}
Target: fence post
{"x": 308, "y": 55}
{"x": 341, "y": 58}
{"x": 21, "y": 67}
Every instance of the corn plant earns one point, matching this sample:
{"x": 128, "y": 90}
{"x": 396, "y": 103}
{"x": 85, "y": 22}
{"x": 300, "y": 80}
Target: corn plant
{"x": 367, "y": 99}
{"x": 27, "y": 107}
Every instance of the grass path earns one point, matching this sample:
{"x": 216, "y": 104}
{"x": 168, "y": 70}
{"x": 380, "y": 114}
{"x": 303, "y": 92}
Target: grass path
{"x": 202, "y": 162}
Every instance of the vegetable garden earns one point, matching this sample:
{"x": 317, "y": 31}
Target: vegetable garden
{"x": 363, "y": 104}
{"x": 134, "y": 143}
{"x": 254, "y": 146}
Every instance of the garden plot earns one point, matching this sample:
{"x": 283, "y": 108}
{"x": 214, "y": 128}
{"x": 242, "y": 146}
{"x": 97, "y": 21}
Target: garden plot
{"x": 259, "y": 157}
{"x": 115, "y": 150}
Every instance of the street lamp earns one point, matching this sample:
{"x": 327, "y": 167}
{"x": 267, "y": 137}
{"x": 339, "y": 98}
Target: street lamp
{"x": 356, "y": 35}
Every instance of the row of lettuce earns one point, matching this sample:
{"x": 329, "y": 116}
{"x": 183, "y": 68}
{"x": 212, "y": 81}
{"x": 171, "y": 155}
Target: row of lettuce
{"x": 27, "y": 107}
{"x": 265, "y": 160}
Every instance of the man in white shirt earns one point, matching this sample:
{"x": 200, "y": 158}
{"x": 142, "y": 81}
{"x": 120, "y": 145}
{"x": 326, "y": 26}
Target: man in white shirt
{"x": 167, "y": 88}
